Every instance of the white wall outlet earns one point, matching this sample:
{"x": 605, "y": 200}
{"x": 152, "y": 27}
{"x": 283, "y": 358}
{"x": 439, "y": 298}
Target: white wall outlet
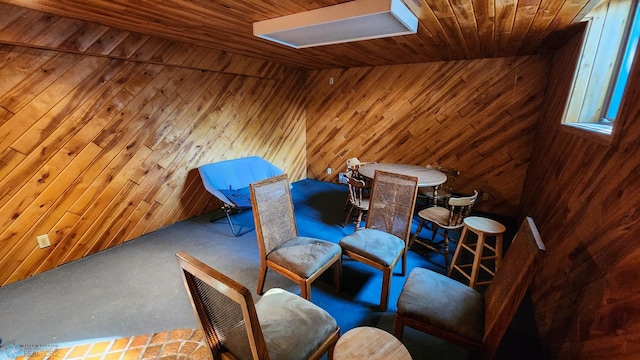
{"x": 43, "y": 241}
{"x": 329, "y": 171}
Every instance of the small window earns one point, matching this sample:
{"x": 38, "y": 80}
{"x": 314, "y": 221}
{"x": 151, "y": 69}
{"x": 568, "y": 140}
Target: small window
{"x": 625, "y": 67}
{"x": 605, "y": 61}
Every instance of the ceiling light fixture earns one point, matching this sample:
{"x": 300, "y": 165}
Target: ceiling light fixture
{"x": 346, "y": 22}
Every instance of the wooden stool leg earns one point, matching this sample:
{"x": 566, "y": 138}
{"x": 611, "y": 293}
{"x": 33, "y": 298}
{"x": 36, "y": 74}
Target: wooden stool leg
{"x": 454, "y": 261}
{"x": 498, "y": 251}
{"x": 476, "y": 260}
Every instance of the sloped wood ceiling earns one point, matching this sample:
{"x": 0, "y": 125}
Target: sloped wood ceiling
{"x": 448, "y": 29}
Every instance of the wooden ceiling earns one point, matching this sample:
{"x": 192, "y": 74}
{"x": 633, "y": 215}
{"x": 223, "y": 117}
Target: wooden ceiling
{"x": 448, "y": 29}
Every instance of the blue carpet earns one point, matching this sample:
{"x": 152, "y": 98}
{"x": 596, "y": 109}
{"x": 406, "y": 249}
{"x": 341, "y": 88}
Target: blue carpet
{"x": 135, "y": 288}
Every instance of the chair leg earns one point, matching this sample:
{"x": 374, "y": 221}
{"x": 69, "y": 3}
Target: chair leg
{"x": 337, "y": 274}
{"x": 305, "y": 290}
{"x": 446, "y": 249}
{"x": 346, "y": 220}
{"x": 359, "y": 221}
{"x": 227, "y": 211}
{"x": 261, "y": 279}
{"x": 386, "y": 284}
{"x": 415, "y": 236}
{"x": 398, "y": 327}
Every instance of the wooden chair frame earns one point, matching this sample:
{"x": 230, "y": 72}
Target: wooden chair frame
{"x": 375, "y": 213}
{"x": 441, "y": 193}
{"x": 289, "y": 216}
{"x": 458, "y": 208}
{"x": 502, "y": 297}
{"x": 194, "y": 268}
{"x": 357, "y": 200}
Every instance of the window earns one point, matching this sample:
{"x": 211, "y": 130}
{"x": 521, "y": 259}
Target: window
{"x": 607, "y": 54}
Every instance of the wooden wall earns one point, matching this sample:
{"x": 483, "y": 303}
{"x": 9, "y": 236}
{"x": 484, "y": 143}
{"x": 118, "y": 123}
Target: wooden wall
{"x": 102, "y": 131}
{"x": 478, "y": 116}
{"x": 585, "y": 197}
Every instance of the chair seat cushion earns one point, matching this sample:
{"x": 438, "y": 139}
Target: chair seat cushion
{"x": 442, "y": 302}
{"x": 376, "y": 245}
{"x": 304, "y": 255}
{"x": 293, "y": 328}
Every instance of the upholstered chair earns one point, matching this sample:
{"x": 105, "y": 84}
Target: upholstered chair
{"x": 298, "y": 258}
{"x": 384, "y": 239}
{"x": 445, "y": 308}
{"x": 281, "y": 325}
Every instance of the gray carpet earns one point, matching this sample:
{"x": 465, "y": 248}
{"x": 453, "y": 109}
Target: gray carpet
{"x": 134, "y": 288}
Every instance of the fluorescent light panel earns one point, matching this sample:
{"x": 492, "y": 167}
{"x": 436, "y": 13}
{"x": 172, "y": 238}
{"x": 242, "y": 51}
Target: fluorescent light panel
{"x": 346, "y": 22}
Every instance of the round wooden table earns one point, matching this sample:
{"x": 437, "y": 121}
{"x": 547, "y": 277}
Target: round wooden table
{"x": 426, "y": 177}
{"x": 369, "y": 343}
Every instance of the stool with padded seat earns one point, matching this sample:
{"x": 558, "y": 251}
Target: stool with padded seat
{"x": 481, "y": 250}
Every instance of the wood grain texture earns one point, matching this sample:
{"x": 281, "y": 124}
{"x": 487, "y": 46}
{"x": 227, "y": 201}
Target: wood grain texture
{"x": 20, "y": 26}
{"x": 100, "y": 145}
{"x": 447, "y": 30}
{"x": 477, "y": 116}
{"x": 585, "y": 197}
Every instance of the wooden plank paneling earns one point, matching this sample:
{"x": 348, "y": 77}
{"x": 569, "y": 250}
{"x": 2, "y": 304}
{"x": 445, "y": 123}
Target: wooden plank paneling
{"x": 447, "y": 30}
{"x": 49, "y": 31}
{"x": 102, "y": 146}
{"x": 477, "y": 116}
{"x": 585, "y": 199}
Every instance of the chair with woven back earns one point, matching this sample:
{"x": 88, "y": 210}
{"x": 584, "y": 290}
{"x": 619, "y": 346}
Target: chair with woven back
{"x": 438, "y": 195}
{"x": 445, "y": 308}
{"x": 384, "y": 239}
{"x": 298, "y": 258}
{"x": 358, "y": 199}
{"x": 446, "y": 218}
{"x": 236, "y": 328}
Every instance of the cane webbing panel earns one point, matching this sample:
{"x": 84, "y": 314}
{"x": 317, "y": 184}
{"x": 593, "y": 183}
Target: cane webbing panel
{"x": 226, "y": 317}
{"x": 273, "y": 206}
{"x": 392, "y": 201}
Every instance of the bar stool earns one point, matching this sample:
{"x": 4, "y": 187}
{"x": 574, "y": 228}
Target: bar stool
{"x": 482, "y": 227}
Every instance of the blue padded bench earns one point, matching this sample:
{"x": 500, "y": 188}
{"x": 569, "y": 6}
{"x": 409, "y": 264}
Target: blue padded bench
{"x": 229, "y": 181}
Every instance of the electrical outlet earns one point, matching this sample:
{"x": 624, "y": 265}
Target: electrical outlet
{"x": 485, "y": 196}
{"x": 43, "y": 241}
{"x": 329, "y": 171}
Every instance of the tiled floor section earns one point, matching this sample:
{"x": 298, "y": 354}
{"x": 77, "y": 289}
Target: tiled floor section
{"x": 180, "y": 344}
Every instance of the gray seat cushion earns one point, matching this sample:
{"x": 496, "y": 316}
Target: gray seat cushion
{"x": 379, "y": 246}
{"x": 293, "y": 327}
{"x": 442, "y": 302}
{"x": 304, "y": 255}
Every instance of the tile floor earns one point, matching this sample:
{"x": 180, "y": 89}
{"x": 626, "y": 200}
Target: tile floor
{"x": 180, "y": 344}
